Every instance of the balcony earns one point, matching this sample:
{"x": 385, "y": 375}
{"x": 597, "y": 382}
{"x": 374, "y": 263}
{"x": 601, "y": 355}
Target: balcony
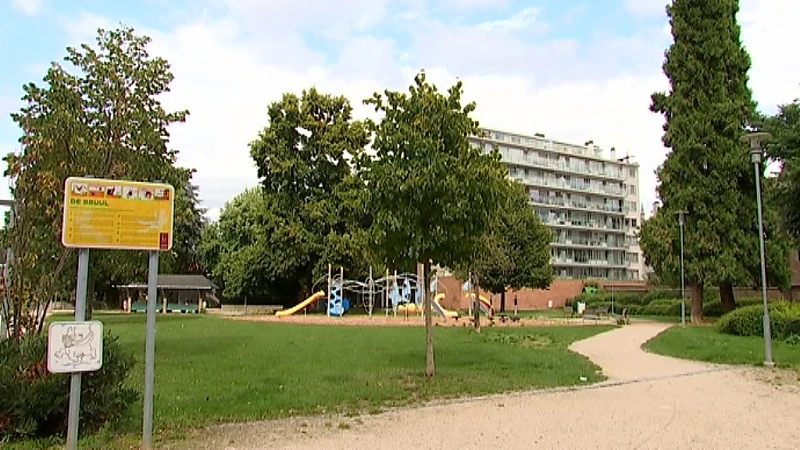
{"x": 569, "y": 169}
{"x": 563, "y": 186}
{"x": 573, "y": 205}
{"x": 590, "y": 226}
{"x": 556, "y": 261}
{"x": 588, "y": 245}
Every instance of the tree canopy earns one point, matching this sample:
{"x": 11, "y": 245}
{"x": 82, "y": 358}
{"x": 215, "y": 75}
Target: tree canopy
{"x": 100, "y": 115}
{"x": 431, "y": 193}
{"x": 785, "y": 148}
{"x": 707, "y": 171}
{"x": 313, "y": 208}
{"x": 515, "y": 251}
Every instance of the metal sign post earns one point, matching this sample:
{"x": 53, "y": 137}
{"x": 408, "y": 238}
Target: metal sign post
{"x": 116, "y": 215}
{"x": 150, "y": 351}
{"x": 75, "y": 379}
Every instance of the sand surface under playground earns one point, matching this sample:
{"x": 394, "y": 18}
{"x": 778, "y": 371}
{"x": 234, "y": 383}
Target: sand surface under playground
{"x": 649, "y": 401}
{"x": 383, "y": 319}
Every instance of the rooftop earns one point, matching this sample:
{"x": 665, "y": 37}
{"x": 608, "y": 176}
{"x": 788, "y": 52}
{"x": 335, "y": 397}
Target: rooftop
{"x": 540, "y": 142}
{"x": 178, "y": 282}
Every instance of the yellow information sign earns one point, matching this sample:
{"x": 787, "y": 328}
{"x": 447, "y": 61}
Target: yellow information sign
{"x": 118, "y": 215}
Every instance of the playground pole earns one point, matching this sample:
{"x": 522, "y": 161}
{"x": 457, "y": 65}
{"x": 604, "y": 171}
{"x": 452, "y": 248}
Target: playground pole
{"x": 477, "y": 310}
{"x": 371, "y": 295}
{"x": 328, "y": 306}
{"x": 386, "y": 294}
{"x": 469, "y": 301}
{"x": 341, "y": 287}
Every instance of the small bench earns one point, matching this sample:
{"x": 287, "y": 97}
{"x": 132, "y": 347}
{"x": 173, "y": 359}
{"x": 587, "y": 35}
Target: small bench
{"x": 171, "y": 307}
{"x": 591, "y": 314}
{"x": 504, "y": 318}
{"x": 568, "y": 312}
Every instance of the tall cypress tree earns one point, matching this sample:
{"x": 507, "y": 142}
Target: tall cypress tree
{"x": 707, "y": 172}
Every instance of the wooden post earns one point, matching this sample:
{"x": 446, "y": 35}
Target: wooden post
{"x": 466, "y": 295}
{"x": 476, "y": 300}
{"x": 328, "y": 305}
{"x": 420, "y": 287}
{"x": 386, "y": 294}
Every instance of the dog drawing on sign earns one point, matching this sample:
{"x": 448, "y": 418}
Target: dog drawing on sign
{"x": 77, "y": 346}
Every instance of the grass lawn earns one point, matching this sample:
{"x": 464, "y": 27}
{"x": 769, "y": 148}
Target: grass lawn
{"x": 705, "y": 343}
{"x": 211, "y": 370}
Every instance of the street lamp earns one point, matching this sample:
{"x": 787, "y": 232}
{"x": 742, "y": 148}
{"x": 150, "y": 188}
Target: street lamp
{"x": 5, "y": 307}
{"x": 681, "y": 223}
{"x": 755, "y": 140}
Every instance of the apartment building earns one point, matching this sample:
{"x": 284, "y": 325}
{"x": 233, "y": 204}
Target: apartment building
{"x": 589, "y": 200}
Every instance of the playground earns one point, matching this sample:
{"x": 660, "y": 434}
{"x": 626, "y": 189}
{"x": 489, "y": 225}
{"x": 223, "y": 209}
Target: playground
{"x": 396, "y": 299}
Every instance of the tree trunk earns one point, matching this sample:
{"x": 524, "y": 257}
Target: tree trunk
{"x": 503, "y": 301}
{"x": 476, "y": 303}
{"x": 697, "y": 303}
{"x": 726, "y": 297}
{"x": 430, "y": 365}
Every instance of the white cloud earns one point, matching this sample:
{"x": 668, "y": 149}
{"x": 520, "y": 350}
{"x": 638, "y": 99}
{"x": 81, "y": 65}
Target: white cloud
{"x": 647, "y": 8}
{"x": 27, "y": 7}
{"x": 518, "y": 21}
{"x": 767, "y": 33}
{"x": 474, "y": 4}
{"x": 229, "y": 66}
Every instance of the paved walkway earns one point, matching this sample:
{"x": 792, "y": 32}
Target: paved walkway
{"x": 650, "y": 401}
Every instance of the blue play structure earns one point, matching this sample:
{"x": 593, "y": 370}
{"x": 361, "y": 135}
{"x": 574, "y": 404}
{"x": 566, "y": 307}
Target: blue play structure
{"x": 398, "y": 292}
{"x": 337, "y": 305}
{"x": 406, "y": 295}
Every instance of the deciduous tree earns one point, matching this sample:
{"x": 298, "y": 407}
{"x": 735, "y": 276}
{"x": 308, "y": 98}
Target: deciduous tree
{"x": 432, "y": 194}
{"x": 99, "y": 114}
{"x": 515, "y": 252}
{"x": 317, "y": 213}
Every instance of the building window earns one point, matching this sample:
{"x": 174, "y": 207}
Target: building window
{"x": 632, "y": 172}
{"x": 632, "y": 189}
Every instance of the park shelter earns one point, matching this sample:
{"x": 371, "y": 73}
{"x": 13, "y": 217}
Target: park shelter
{"x": 175, "y": 293}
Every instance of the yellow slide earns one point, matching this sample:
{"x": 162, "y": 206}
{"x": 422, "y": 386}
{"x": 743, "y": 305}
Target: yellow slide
{"x": 301, "y": 306}
{"x": 487, "y": 305}
{"x": 441, "y": 309}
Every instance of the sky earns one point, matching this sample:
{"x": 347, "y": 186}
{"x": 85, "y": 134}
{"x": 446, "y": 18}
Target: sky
{"x": 575, "y": 70}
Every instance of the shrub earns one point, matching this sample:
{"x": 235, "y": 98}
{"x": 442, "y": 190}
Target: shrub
{"x": 663, "y": 307}
{"x": 713, "y": 308}
{"x": 35, "y": 403}
{"x": 749, "y": 320}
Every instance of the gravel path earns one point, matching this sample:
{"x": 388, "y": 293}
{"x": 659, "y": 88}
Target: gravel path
{"x": 649, "y": 401}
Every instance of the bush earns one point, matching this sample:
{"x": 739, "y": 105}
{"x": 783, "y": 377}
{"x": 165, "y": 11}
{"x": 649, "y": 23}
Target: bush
{"x": 749, "y": 320}
{"x": 35, "y": 403}
{"x": 663, "y": 307}
{"x": 713, "y": 308}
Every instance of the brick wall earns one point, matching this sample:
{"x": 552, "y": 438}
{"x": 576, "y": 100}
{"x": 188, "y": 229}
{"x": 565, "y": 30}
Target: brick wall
{"x": 562, "y": 290}
{"x": 559, "y": 292}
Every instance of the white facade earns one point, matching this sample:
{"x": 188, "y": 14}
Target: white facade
{"x": 589, "y": 201}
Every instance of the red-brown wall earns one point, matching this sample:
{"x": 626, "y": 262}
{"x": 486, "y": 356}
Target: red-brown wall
{"x": 559, "y": 292}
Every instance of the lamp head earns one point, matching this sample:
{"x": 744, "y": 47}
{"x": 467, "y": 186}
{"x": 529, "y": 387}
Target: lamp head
{"x": 756, "y": 139}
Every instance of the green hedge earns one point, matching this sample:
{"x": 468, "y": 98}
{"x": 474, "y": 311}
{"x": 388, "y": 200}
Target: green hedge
{"x": 34, "y": 402}
{"x": 640, "y": 298}
{"x": 713, "y": 308}
{"x": 749, "y": 320}
{"x": 658, "y": 307}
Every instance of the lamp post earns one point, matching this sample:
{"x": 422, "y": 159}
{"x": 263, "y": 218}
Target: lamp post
{"x": 5, "y": 306}
{"x": 681, "y": 223}
{"x": 755, "y": 140}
